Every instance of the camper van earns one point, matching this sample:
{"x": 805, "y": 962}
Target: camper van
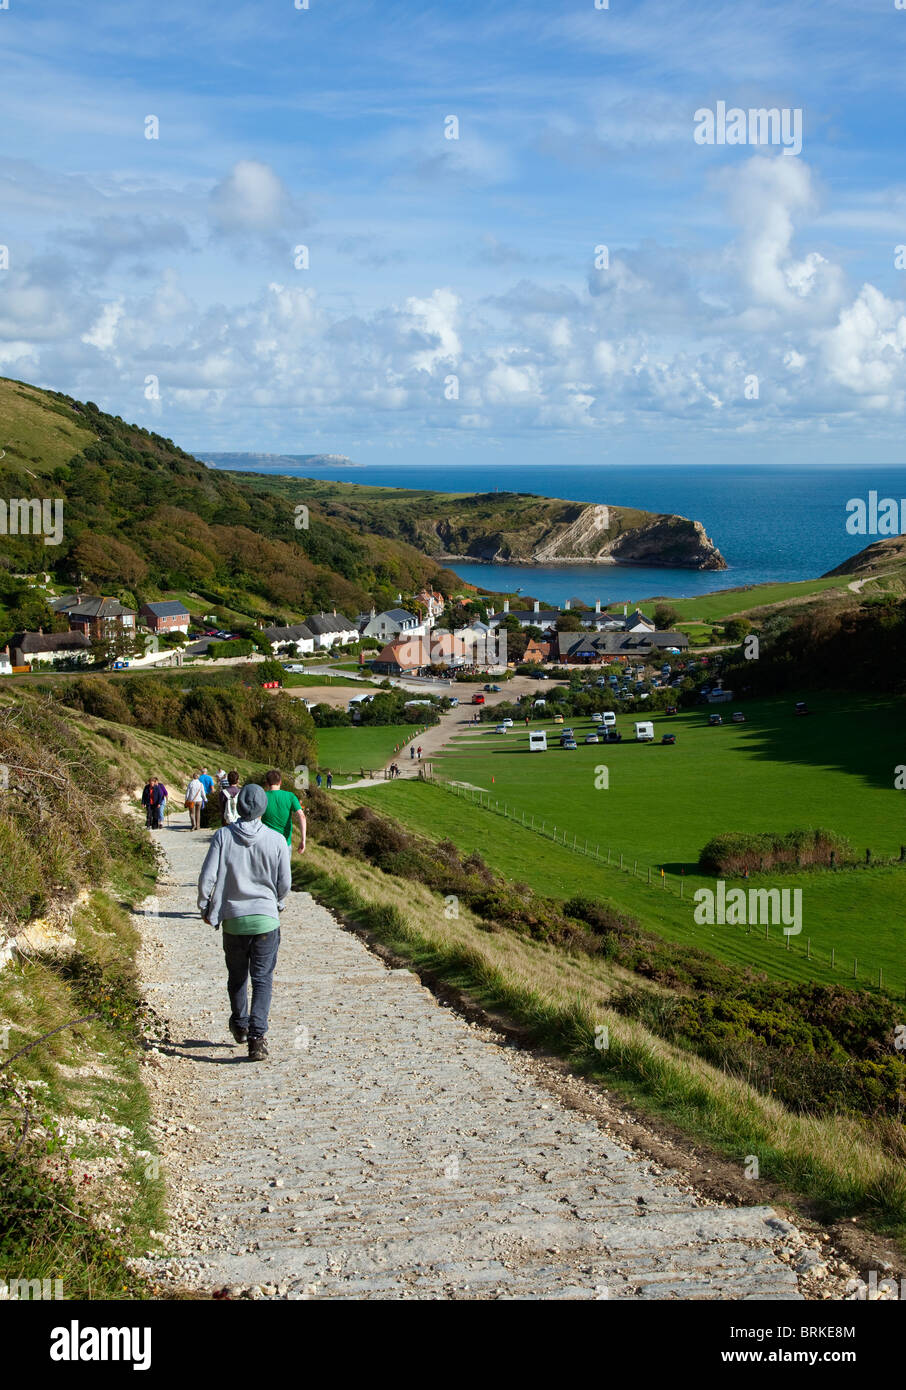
{"x": 537, "y": 741}
{"x": 644, "y": 731}
{"x": 608, "y": 719}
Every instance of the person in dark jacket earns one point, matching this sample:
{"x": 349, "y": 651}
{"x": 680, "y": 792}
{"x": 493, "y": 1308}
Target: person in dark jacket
{"x": 152, "y": 800}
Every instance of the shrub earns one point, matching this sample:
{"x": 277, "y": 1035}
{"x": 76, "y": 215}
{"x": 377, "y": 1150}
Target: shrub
{"x": 730, "y": 854}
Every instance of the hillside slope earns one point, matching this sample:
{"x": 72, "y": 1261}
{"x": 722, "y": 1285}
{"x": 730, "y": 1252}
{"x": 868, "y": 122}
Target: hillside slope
{"x": 142, "y": 515}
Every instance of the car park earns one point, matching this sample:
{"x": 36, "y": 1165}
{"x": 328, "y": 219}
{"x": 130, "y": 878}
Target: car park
{"x": 738, "y": 717}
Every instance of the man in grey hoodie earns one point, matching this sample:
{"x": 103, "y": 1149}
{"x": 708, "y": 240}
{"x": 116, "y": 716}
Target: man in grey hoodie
{"x": 242, "y": 887}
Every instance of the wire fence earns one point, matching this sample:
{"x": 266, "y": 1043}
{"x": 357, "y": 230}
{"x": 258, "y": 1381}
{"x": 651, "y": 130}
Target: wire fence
{"x": 660, "y": 880}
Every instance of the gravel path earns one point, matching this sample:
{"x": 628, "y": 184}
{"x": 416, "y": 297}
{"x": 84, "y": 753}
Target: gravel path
{"x": 389, "y": 1149}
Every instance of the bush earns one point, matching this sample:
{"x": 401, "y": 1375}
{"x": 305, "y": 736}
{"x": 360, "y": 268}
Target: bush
{"x": 730, "y": 854}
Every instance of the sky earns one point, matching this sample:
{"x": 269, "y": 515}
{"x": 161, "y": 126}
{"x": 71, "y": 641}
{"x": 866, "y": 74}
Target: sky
{"x": 462, "y": 232}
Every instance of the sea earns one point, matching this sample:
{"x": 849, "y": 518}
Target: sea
{"x": 772, "y": 523}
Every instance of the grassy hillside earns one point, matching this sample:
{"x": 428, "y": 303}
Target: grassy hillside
{"x": 142, "y": 517}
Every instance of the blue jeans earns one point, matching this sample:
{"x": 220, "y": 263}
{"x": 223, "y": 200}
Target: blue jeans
{"x": 254, "y": 955}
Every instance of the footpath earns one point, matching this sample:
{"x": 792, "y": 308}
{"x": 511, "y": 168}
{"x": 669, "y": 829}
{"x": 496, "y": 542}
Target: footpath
{"x": 390, "y": 1149}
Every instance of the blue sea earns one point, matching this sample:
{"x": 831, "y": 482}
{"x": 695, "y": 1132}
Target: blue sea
{"x": 771, "y": 523}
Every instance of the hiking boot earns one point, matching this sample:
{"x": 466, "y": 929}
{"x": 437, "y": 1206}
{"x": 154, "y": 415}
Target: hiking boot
{"x": 240, "y": 1035}
{"x": 257, "y": 1049}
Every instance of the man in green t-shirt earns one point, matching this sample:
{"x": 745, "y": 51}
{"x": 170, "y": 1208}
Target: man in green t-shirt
{"x": 282, "y": 809}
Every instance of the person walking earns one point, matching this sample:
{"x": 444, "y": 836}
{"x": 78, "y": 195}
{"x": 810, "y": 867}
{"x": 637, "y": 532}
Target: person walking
{"x": 151, "y": 799}
{"x": 283, "y": 808}
{"x": 419, "y": 754}
{"x": 412, "y": 752}
{"x": 242, "y": 889}
{"x": 318, "y": 780}
{"x": 195, "y": 799}
{"x": 162, "y": 808}
{"x": 207, "y": 781}
{"x": 329, "y": 780}
{"x": 229, "y": 794}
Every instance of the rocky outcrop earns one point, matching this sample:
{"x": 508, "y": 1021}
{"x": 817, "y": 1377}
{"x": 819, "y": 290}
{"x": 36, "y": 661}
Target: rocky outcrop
{"x": 570, "y": 533}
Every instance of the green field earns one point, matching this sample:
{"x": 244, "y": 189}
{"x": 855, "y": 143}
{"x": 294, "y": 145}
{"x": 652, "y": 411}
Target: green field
{"x": 774, "y": 772}
{"x": 715, "y": 607}
{"x": 369, "y": 746}
{"x": 857, "y": 914}
{"x": 662, "y": 804}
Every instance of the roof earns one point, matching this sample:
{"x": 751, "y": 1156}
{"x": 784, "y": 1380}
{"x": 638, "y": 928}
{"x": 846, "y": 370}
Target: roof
{"x": 61, "y": 605}
{"x": 329, "y": 622}
{"x": 399, "y": 615}
{"x": 618, "y": 643}
{"x": 26, "y": 642}
{"x": 166, "y": 608}
{"x": 99, "y": 608}
{"x": 296, "y": 632}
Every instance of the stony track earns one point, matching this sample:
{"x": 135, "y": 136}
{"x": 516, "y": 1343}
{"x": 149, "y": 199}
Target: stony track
{"x": 390, "y": 1149}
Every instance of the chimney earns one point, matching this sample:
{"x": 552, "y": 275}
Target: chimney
{"x": 597, "y": 605}
{"x": 506, "y": 605}
{"x": 537, "y": 605}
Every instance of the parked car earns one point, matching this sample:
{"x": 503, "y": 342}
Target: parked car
{"x": 558, "y": 718}
{"x": 714, "y": 719}
{"x": 501, "y": 729}
{"x": 802, "y": 707}
{"x": 592, "y": 737}
{"x": 569, "y": 733}
{"x": 477, "y": 699}
{"x": 294, "y": 669}
{"x": 612, "y": 736}
{"x": 597, "y": 719}
{"x": 671, "y": 709}
{"x": 608, "y": 719}
{"x": 453, "y": 701}
{"x": 568, "y": 743}
{"x": 738, "y": 717}
{"x": 668, "y": 738}
{"x": 507, "y": 723}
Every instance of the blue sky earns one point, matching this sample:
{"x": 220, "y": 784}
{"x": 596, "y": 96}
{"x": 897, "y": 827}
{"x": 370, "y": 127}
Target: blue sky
{"x": 751, "y": 309}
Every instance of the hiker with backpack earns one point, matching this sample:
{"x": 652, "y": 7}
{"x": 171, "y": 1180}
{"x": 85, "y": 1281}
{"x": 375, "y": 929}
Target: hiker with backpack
{"x": 242, "y": 889}
{"x": 229, "y": 795}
